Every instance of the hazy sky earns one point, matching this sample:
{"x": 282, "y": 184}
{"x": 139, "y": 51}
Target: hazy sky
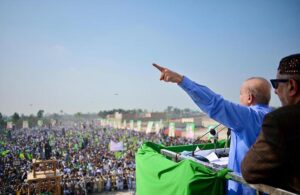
{"x": 86, "y": 56}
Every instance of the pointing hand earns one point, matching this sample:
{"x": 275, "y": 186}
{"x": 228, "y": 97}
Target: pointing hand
{"x": 168, "y": 75}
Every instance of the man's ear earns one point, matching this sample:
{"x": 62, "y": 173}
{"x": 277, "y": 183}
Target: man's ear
{"x": 250, "y": 99}
{"x": 293, "y": 87}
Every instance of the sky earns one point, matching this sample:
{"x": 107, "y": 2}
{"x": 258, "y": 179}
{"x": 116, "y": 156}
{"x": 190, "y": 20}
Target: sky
{"x": 87, "y": 56}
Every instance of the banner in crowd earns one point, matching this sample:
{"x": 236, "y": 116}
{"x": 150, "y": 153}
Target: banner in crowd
{"x": 25, "y": 124}
{"x": 40, "y": 123}
{"x": 190, "y": 130}
{"x": 124, "y": 124}
{"x": 110, "y": 123}
{"x": 131, "y": 124}
{"x": 115, "y": 124}
{"x": 149, "y": 127}
{"x": 102, "y": 122}
{"x": 119, "y": 123}
{"x": 139, "y": 125}
{"x": 9, "y": 125}
{"x": 158, "y": 126}
{"x": 115, "y": 146}
{"x": 172, "y": 129}
{"x": 53, "y": 122}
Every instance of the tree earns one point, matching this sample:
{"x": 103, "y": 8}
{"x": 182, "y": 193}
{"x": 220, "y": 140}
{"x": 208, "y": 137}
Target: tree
{"x": 2, "y": 122}
{"x": 40, "y": 113}
{"x": 169, "y": 109}
{"x": 15, "y": 117}
{"x": 78, "y": 115}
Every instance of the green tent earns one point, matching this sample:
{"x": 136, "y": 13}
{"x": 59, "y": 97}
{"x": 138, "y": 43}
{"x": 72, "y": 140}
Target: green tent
{"x": 156, "y": 174}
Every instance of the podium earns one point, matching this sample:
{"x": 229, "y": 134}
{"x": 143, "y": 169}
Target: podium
{"x": 158, "y": 173}
{"x": 44, "y": 177}
{"x": 164, "y": 170}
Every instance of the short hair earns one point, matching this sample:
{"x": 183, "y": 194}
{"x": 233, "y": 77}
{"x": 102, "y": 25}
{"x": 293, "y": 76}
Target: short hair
{"x": 262, "y": 93}
{"x": 290, "y": 65}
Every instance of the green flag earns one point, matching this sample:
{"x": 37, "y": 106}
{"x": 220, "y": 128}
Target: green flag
{"x": 76, "y": 147}
{"x": 22, "y": 156}
{"x": 4, "y": 153}
{"x": 118, "y": 155}
{"x": 29, "y": 156}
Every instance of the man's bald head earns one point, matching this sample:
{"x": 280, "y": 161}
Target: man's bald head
{"x": 260, "y": 88}
{"x": 258, "y": 91}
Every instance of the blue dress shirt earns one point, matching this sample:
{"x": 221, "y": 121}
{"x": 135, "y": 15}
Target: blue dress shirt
{"x": 245, "y": 123}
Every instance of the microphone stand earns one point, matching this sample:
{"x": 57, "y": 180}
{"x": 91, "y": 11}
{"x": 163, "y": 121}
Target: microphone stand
{"x": 228, "y": 136}
{"x": 227, "y": 139}
{"x": 199, "y": 138}
{"x": 215, "y": 134}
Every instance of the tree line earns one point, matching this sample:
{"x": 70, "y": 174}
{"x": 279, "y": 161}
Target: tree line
{"x": 17, "y": 119}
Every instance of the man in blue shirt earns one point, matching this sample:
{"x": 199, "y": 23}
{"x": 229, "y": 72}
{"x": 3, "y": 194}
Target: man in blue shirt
{"x": 244, "y": 119}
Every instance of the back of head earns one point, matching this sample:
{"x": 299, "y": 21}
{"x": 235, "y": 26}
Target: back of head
{"x": 260, "y": 89}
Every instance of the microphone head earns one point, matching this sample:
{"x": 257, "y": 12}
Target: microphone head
{"x": 228, "y": 132}
{"x": 212, "y": 132}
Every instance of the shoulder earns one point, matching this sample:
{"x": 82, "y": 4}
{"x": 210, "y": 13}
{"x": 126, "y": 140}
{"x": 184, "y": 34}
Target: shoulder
{"x": 281, "y": 121}
{"x": 285, "y": 112}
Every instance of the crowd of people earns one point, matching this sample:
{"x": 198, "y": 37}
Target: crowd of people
{"x": 88, "y": 165}
{"x": 84, "y": 158}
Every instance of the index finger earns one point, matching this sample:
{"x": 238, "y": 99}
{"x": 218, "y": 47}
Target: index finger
{"x": 161, "y": 69}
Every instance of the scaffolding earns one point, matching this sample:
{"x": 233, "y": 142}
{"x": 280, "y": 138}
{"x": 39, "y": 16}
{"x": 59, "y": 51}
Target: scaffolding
{"x": 44, "y": 178}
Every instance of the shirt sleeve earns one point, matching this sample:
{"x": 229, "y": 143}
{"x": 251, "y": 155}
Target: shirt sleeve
{"x": 215, "y": 106}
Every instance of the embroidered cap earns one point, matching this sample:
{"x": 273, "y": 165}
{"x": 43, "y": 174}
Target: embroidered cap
{"x": 290, "y": 65}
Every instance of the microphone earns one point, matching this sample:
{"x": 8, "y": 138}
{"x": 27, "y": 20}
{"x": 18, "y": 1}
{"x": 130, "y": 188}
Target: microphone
{"x": 199, "y": 138}
{"x": 228, "y": 132}
{"x": 228, "y": 137}
{"x": 215, "y": 136}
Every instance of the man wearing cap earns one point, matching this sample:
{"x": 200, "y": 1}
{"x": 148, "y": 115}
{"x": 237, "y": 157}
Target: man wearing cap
{"x": 244, "y": 119}
{"x": 274, "y": 159}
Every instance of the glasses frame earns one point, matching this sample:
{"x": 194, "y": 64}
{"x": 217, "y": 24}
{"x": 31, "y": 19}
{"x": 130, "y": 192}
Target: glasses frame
{"x": 275, "y": 82}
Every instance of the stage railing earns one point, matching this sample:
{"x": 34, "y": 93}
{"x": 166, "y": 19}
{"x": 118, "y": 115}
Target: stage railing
{"x": 235, "y": 177}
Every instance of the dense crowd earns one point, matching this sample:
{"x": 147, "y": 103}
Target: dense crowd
{"x": 84, "y": 159}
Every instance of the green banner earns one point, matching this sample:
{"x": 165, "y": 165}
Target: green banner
{"x": 131, "y": 124}
{"x": 172, "y": 129}
{"x": 139, "y": 125}
{"x": 156, "y": 174}
{"x": 149, "y": 127}
{"x": 190, "y": 130}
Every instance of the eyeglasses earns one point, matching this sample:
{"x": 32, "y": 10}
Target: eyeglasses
{"x": 275, "y": 82}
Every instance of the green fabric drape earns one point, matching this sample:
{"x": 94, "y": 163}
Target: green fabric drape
{"x": 155, "y": 174}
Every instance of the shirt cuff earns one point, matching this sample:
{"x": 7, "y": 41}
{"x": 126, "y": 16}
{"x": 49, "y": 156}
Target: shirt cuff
{"x": 185, "y": 83}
